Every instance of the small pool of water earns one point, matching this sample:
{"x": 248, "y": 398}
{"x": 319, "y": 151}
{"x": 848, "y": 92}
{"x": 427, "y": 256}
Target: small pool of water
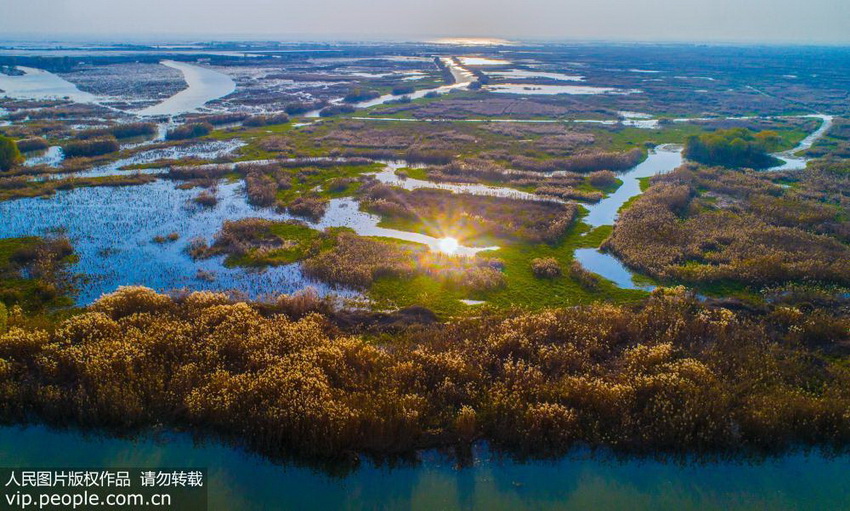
{"x": 609, "y": 267}
{"x": 52, "y": 157}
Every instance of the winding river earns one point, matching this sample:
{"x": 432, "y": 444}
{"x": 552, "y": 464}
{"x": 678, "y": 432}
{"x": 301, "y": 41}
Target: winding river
{"x": 203, "y": 85}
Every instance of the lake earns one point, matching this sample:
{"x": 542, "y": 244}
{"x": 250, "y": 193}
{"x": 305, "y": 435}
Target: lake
{"x": 238, "y": 480}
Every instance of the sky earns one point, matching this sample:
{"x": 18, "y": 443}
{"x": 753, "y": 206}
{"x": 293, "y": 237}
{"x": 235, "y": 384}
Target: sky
{"x": 750, "y": 21}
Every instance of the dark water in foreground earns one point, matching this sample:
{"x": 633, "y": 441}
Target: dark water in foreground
{"x": 241, "y": 481}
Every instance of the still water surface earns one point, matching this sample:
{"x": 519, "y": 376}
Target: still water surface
{"x": 242, "y": 481}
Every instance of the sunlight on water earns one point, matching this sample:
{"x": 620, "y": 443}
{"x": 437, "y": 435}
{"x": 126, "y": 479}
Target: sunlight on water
{"x": 448, "y": 245}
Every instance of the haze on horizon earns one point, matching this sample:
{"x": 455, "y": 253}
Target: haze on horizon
{"x": 750, "y": 21}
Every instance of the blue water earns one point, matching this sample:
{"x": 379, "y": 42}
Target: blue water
{"x": 608, "y": 267}
{"x": 112, "y": 230}
{"x": 238, "y": 480}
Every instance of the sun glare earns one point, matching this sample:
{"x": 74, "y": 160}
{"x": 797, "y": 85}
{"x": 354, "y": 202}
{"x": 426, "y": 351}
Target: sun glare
{"x": 447, "y": 245}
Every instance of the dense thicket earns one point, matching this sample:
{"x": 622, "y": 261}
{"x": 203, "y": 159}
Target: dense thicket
{"x": 91, "y": 147}
{"x": 126, "y": 130}
{"x": 737, "y": 147}
{"x": 32, "y": 144}
{"x": 192, "y": 130}
{"x": 705, "y": 226}
{"x": 669, "y": 375}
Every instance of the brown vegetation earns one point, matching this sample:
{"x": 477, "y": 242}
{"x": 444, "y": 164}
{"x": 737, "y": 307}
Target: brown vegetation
{"x": 546, "y": 267}
{"x": 533, "y": 221}
{"x": 671, "y": 375}
{"x": 91, "y": 147}
{"x": 714, "y": 225}
{"x": 357, "y": 262}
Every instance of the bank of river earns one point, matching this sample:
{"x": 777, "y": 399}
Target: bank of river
{"x": 241, "y": 481}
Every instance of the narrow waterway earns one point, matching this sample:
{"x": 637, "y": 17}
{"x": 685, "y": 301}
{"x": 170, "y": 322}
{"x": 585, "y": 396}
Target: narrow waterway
{"x": 462, "y": 79}
{"x": 792, "y": 159}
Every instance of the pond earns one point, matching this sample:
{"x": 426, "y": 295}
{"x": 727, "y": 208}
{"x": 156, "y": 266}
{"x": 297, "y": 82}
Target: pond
{"x": 241, "y": 481}
{"x": 609, "y": 267}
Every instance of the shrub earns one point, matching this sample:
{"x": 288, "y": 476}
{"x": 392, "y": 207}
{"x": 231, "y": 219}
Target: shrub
{"x": 198, "y": 248}
{"x": 402, "y": 89}
{"x": 670, "y": 375}
{"x": 205, "y": 199}
{"x": 330, "y": 111}
{"x": 303, "y": 107}
{"x": 32, "y": 144}
{"x": 309, "y": 207}
{"x": 192, "y": 130}
{"x": 602, "y": 178}
{"x": 546, "y": 267}
{"x": 126, "y": 130}
{"x": 707, "y": 226}
{"x": 9, "y": 153}
{"x": 261, "y": 189}
{"x": 737, "y": 147}
{"x": 4, "y": 318}
{"x": 586, "y": 279}
{"x": 357, "y": 95}
{"x": 266, "y": 120}
{"x": 91, "y": 147}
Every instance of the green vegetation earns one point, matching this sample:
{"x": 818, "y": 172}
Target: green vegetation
{"x": 260, "y": 242}
{"x": 734, "y": 148}
{"x": 33, "y": 273}
{"x": 9, "y": 154}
